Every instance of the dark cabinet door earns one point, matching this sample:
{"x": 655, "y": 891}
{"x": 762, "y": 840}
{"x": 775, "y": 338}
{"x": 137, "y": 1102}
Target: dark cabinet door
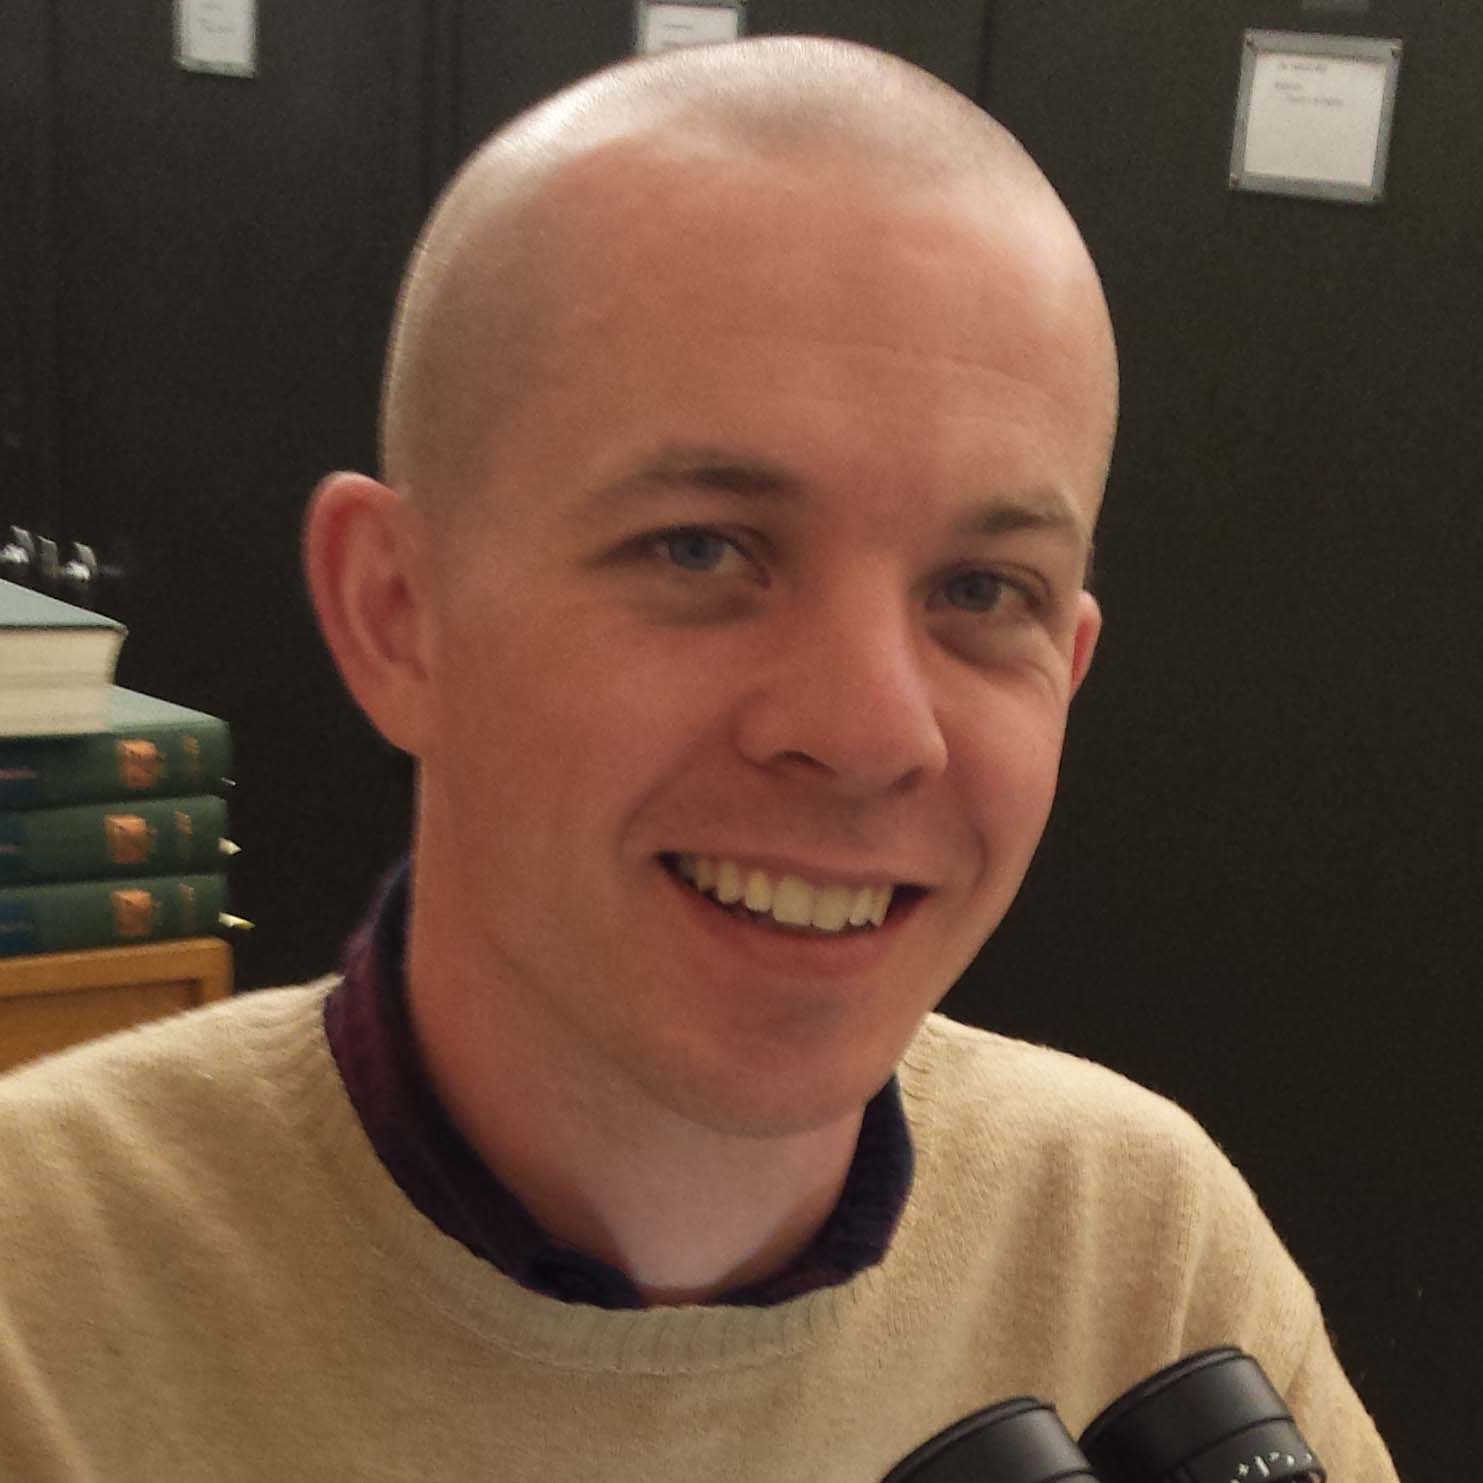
{"x": 28, "y": 393}
{"x": 510, "y": 54}
{"x": 1259, "y": 892}
{"x": 218, "y": 260}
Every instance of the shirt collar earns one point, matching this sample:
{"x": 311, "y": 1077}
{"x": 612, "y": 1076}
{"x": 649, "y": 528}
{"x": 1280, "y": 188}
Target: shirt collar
{"x": 370, "y": 1035}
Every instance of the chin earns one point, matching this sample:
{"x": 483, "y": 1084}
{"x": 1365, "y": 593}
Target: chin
{"x": 788, "y": 1098}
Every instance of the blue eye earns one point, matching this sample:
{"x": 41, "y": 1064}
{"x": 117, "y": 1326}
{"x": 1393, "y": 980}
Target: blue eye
{"x": 975, "y": 592}
{"x": 696, "y": 550}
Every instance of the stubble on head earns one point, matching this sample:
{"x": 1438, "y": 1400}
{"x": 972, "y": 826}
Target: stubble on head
{"x": 488, "y": 290}
{"x": 494, "y": 306}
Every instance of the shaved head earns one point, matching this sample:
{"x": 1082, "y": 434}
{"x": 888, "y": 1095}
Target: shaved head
{"x": 528, "y": 210}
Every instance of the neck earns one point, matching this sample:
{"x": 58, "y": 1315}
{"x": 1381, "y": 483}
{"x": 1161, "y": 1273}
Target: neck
{"x": 686, "y": 1217}
{"x": 687, "y": 1211}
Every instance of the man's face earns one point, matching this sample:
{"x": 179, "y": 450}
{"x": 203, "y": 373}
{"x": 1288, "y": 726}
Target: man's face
{"x": 779, "y": 572}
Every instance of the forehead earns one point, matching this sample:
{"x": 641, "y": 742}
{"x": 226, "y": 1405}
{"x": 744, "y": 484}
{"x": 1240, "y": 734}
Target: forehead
{"x": 779, "y": 299}
{"x": 701, "y": 234}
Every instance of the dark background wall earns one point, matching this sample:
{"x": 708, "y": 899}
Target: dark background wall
{"x": 1258, "y": 891}
{"x": 212, "y": 264}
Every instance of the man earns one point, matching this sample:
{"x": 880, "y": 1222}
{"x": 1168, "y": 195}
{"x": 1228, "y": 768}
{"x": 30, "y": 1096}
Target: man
{"x": 747, "y": 417}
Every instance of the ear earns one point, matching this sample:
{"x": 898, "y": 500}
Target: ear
{"x": 363, "y": 555}
{"x": 1084, "y": 644}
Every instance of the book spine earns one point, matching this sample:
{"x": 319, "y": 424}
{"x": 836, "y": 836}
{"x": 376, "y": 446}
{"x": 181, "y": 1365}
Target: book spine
{"x": 146, "y": 762}
{"x": 108, "y": 913}
{"x": 164, "y": 836}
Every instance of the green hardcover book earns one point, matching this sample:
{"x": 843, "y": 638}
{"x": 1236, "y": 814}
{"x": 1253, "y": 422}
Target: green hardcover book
{"x": 56, "y": 664}
{"x": 154, "y": 836}
{"x": 109, "y": 913}
{"x": 150, "y": 749}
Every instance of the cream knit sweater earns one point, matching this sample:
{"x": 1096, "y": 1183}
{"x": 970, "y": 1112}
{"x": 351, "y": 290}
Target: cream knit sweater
{"x": 206, "y": 1274}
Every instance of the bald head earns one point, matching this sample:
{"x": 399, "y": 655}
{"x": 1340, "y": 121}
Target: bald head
{"x": 486, "y": 281}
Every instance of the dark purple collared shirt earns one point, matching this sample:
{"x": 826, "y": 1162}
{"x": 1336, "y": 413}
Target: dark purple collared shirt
{"x": 370, "y": 1035}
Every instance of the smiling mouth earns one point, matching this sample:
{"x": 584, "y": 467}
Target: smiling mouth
{"x": 787, "y": 902}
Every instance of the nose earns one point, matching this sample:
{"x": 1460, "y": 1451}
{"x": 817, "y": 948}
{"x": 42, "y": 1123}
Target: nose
{"x": 844, "y": 695}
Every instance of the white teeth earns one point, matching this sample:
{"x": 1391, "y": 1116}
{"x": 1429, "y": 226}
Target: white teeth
{"x": 729, "y": 887}
{"x": 831, "y": 908}
{"x": 759, "y": 892}
{"x": 790, "y": 900}
{"x": 793, "y": 902}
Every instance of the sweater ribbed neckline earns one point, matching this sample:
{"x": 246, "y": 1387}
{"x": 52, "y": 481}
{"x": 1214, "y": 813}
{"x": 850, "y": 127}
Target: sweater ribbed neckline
{"x": 299, "y": 1078}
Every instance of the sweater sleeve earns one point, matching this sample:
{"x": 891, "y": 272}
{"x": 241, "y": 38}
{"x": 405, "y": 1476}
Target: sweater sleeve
{"x": 1333, "y": 1418}
{"x": 1247, "y": 1289}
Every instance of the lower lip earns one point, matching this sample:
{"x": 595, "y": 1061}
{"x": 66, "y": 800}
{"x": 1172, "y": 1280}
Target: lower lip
{"x": 778, "y": 950}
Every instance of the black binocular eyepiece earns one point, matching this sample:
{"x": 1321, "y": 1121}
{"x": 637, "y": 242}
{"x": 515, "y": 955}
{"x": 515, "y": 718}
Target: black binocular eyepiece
{"x": 1212, "y": 1417}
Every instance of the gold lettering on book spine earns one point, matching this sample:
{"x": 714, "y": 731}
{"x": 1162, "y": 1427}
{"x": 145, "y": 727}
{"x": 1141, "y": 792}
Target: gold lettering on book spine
{"x": 134, "y": 914}
{"x": 187, "y": 898}
{"x": 139, "y": 765}
{"x": 129, "y": 838}
{"x": 193, "y": 760}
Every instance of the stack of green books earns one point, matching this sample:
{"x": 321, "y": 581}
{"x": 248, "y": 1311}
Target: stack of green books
{"x": 115, "y": 836}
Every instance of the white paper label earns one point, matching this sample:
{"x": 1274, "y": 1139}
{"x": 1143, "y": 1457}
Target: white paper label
{"x": 1315, "y": 118}
{"x": 666, "y": 26}
{"x": 217, "y": 36}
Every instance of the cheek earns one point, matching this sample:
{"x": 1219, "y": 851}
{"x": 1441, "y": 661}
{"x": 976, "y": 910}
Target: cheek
{"x": 567, "y": 714}
{"x": 1008, "y": 758}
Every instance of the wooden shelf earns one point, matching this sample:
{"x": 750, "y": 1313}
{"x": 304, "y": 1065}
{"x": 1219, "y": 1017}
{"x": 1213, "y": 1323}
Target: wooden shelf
{"x": 49, "y": 1001}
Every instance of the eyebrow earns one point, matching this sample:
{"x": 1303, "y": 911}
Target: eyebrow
{"x": 1047, "y": 509}
{"x": 689, "y": 466}
{"x": 729, "y": 472}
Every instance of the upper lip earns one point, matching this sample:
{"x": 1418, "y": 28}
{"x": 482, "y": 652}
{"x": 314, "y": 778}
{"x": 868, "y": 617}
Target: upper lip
{"x": 812, "y": 871}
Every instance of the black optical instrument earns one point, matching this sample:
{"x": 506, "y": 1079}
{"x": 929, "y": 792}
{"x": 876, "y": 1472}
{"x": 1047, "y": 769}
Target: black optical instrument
{"x": 1016, "y": 1441}
{"x": 1211, "y": 1417}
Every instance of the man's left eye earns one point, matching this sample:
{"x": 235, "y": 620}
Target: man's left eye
{"x": 696, "y": 550}
{"x": 975, "y": 591}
